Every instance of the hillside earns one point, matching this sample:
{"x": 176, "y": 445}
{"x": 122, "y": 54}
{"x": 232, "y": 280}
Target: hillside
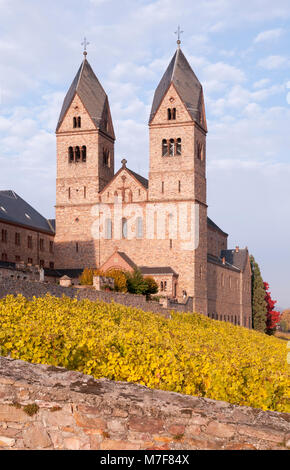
{"x": 188, "y": 353}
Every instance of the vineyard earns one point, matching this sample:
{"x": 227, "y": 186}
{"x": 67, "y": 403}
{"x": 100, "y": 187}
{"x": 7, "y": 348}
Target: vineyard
{"x": 188, "y": 353}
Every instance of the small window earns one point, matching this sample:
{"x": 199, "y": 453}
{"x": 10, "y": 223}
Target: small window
{"x": 4, "y": 236}
{"x": 70, "y": 155}
{"x": 161, "y": 286}
{"x": 74, "y": 122}
{"x": 41, "y": 263}
{"x": 17, "y": 258}
{"x": 77, "y": 247}
{"x": 50, "y": 247}
{"x": 173, "y": 113}
{"x": 162, "y": 187}
{"x": 30, "y": 261}
{"x": 51, "y": 265}
{"x": 179, "y": 186}
{"x": 124, "y": 228}
{"x": 106, "y": 158}
{"x": 17, "y": 239}
{"x": 169, "y": 114}
{"x": 84, "y": 153}
{"x": 29, "y": 242}
{"x": 164, "y": 148}
{"x": 79, "y": 121}
{"x": 77, "y": 154}
{"x": 108, "y": 229}
{"x": 85, "y": 192}
{"x": 41, "y": 244}
{"x": 69, "y": 193}
{"x": 165, "y": 285}
{"x": 139, "y": 222}
{"x": 178, "y": 146}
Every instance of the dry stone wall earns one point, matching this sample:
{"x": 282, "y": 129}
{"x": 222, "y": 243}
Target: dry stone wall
{"x": 38, "y": 289}
{"x": 44, "y": 407}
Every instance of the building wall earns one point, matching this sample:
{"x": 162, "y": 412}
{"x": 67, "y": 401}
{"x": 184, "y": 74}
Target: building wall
{"x": 22, "y": 252}
{"x": 229, "y": 295}
{"x": 216, "y": 241}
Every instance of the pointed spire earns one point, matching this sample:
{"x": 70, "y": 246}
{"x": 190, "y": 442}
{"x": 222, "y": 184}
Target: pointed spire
{"x": 180, "y": 74}
{"x": 92, "y": 95}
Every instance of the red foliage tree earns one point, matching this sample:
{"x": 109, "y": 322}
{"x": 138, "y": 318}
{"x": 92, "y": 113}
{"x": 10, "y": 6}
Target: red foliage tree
{"x": 273, "y": 316}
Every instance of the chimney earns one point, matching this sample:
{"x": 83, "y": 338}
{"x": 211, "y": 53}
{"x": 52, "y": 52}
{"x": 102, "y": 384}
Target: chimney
{"x": 237, "y": 249}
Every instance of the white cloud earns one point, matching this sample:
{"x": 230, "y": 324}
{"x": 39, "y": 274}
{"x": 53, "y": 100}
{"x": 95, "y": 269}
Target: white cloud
{"x": 274, "y": 62}
{"x": 269, "y": 35}
{"x": 261, "y": 83}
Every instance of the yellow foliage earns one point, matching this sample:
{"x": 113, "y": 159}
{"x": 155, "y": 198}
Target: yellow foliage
{"x": 188, "y": 353}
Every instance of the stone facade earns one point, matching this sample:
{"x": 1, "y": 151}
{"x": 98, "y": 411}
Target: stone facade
{"x": 99, "y": 213}
{"x": 46, "y": 407}
{"x": 29, "y": 246}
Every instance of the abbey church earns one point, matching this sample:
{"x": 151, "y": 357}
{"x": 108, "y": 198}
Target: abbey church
{"x": 119, "y": 219}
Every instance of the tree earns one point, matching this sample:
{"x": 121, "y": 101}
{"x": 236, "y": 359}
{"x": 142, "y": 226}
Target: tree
{"x": 273, "y": 316}
{"x": 120, "y": 282}
{"x": 259, "y": 305}
{"x": 136, "y": 284}
{"x": 285, "y": 318}
{"x": 152, "y": 286}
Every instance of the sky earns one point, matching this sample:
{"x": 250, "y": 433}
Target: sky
{"x": 239, "y": 50}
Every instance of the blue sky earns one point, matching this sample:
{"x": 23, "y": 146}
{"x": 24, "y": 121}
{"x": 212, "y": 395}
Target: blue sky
{"x": 238, "y": 49}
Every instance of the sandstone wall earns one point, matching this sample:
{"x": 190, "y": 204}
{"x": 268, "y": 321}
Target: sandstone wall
{"x": 38, "y": 289}
{"x": 44, "y": 407}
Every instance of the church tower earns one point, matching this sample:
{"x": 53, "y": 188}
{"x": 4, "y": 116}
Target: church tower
{"x": 178, "y": 129}
{"x": 85, "y": 164}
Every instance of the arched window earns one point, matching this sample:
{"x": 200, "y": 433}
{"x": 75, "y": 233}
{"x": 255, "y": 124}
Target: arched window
{"x": 139, "y": 227}
{"x": 179, "y": 186}
{"x": 178, "y": 146}
{"x": 169, "y": 114}
{"x": 124, "y": 228}
{"x": 106, "y": 157}
{"x": 165, "y": 285}
{"x": 70, "y": 154}
{"x": 199, "y": 151}
{"x": 164, "y": 148}
{"x": 173, "y": 113}
{"x": 77, "y": 154}
{"x": 161, "y": 285}
{"x": 79, "y": 121}
{"x": 171, "y": 147}
{"x": 84, "y": 153}
{"x": 74, "y": 122}
{"x": 108, "y": 229}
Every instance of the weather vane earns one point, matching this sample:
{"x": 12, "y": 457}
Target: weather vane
{"x": 85, "y": 43}
{"x": 178, "y": 32}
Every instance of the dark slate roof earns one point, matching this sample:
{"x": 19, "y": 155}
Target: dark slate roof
{"x": 72, "y": 273}
{"x": 157, "y": 270}
{"x": 210, "y": 223}
{"x": 236, "y": 258}
{"x": 15, "y": 210}
{"x": 127, "y": 259}
{"x": 141, "y": 179}
{"x": 92, "y": 95}
{"x": 186, "y": 83}
{"x": 52, "y": 223}
{"x": 215, "y": 260}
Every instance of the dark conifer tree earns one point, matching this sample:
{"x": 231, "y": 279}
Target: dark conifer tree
{"x": 259, "y": 305}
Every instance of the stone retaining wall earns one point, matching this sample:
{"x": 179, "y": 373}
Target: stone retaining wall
{"x": 38, "y": 289}
{"x": 44, "y": 407}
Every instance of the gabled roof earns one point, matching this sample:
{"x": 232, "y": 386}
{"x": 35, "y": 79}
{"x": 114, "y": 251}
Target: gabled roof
{"x": 92, "y": 95}
{"x": 216, "y": 260}
{"x": 211, "y": 224}
{"x": 237, "y": 257}
{"x": 141, "y": 179}
{"x": 157, "y": 270}
{"x": 13, "y": 209}
{"x": 186, "y": 83}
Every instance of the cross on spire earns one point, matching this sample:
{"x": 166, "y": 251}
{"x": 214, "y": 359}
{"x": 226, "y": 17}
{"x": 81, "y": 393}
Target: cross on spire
{"x": 178, "y": 32}
{"x": 85, "y": 43}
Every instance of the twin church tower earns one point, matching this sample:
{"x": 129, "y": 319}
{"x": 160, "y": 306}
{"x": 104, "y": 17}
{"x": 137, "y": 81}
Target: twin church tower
{"x": 120, "y": 219}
